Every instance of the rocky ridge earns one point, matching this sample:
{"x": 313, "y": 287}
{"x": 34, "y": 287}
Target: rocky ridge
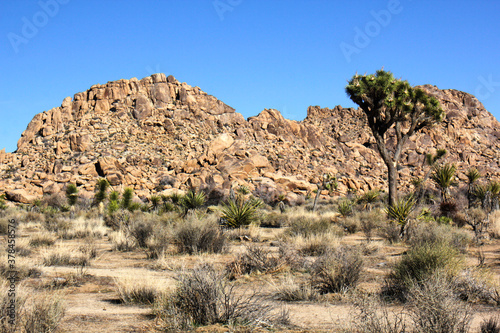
{"x": 158, "y": 135}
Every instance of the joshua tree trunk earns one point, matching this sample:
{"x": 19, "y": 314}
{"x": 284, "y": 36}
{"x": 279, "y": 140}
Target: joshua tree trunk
{"x": 393, "y": 183}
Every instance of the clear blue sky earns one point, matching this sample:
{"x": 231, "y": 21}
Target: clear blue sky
{"x": 251, "y": 54}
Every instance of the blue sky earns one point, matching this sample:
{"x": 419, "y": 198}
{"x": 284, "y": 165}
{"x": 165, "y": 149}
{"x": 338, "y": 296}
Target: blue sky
{"x": 251, "y": 54}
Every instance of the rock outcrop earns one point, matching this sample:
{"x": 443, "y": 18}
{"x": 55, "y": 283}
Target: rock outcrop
{"x": 157, "y": 134}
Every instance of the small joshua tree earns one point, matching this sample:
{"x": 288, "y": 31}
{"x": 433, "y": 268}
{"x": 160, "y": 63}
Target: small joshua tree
{"x": 72, "y": 194}
{"x": 444, "y": 177}
{"x": 102, "y": 187}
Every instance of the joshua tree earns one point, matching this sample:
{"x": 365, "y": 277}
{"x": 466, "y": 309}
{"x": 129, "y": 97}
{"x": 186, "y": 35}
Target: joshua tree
{"x": 328, "y": 182}
{"x": 430, "y": 160}
{"x": 391, "y": 103}
{"x": 444, "y": 176}
{"x": 102, "y": 187}
{"x": 472, "y": 176}
{"x": 72, "y": 194}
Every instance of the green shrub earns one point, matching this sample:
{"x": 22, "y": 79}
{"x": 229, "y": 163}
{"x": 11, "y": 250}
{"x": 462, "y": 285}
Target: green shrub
{"x": 400, "y": 211}
{"x": 419, "y": 264}
{"x": 237, "y": 213}
{"x": 433, "y": 233}
{"x": 344, "y": 208}
{"x": 3, "y": 206}
{"x": 337, "y": 271}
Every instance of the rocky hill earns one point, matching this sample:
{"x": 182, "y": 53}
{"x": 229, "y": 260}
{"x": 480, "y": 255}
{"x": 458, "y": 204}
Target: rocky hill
{"x": 157, "y": 134}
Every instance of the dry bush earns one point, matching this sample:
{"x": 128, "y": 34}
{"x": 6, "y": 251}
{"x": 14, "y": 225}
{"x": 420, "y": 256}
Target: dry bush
{"x": 314, "y": 245}
{"x": 43, "y": 312}
{"x": 42, "y": 239}
{"x": 351, "y": 224}
{"x": 369, "y": 221}
{"x": 4, "y": 226}
{"x": 138, "y": 291}
{"x": 390, "y": 231}
{"x": 495, "y": 224}
{"x": 433, "y": 233}
{"x": 249, "y": 233}
{"x": 159, "y": 243}
{"x": 83, "y": 228}
{"x": 205, "y": 297}
{"x": 122, "y": 241}
{"x": 291, "y": 291}
{"x": 61, "y": 257}
{"x": 420, "y": 263}
{"x": 141, "y": 231}
{"x": 33, "y": 312}
{"x": 473, "y": 286}
{"x": 434, "y": 307}
{"x": 337, "y": 271}
{"x": 57, "y": 224}
{"x": 308, "y": 225}
{"x": 23, "y": 271}
{"x": 373, "y": 317}
{"x": 274, "y": 220}
{"x": 199, "y": 236}
{"x": 256, "y": 259}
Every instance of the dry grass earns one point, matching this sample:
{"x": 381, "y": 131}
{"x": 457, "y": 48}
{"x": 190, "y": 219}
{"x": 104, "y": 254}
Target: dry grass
{"x": 122, "y": 241}
{"x": 289, "y": 290}
{"x": 83, "y": 227}
{"x": 139, "y": 291}
{"x": 42, "y": 239}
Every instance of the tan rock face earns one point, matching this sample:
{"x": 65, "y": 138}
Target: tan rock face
{"x": 158, "y": 134}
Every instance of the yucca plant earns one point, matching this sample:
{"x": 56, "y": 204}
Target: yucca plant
{"x": 369, "y": 198}
{"x": 344, "y": 208}
{"x": 400, "y": 212}
{"x": 72, "y": 194}
{"x": 155, "y": 202}
{"x": 444, "y": 177}
{"x": 192, "y": 200}
{"x": 237, "y": 213}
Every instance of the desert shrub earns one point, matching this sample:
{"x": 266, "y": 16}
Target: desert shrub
{"x": 350, "y": 224}
{"x": 158, "y": 243}
{"x": 291, "y": 291}
{"x": 237, "y": 213}
{"x": 42, "y": 239}
{"x": 473, "y": 286}
{"x": 205, "y": 297}
{"x": 435, "y": 308}
{"x": 23, "y": 271}
{"x": 257, "y": 259}
{"x": 4, "y": 226}
{"x": 3, "y": 205}
{"x": 57, "y": 224}
{"x": 134, "y": 291}
{"x": 141, "y": 231}
{"x": 432, "y": 232}
{"x": 495, "y": 224}
{"x": 7, "y": 313}
{"x": 198, "y": 236}
{"x": 337, "y": 271}
{"x": 490, "y": 325}
{"x": 83, "y": 228}
{"x": 420, "y": 263}
{"x": 308, "y": 225}
{"x": 56, "y": 200}
{"x": 61, "y": 258}
{"x": 117, "y": 220}
{"x": 249, "y": 233}
{"x": 274, "y": 220}
{"x": 122, "y": 241}
{"x": 369, "y": 221}
{"x": 390, "y": 231}
{"x": 43, "y": 312}
{"x": 315, "y": 245}
{"x": 373, "y": 317}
